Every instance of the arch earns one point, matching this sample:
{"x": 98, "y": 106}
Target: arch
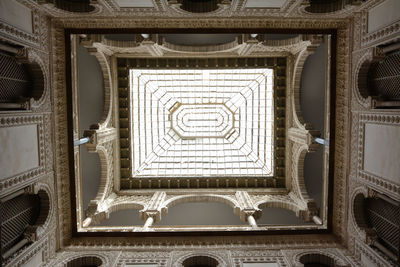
{"x": 375, "y": 219}
{"x": 357, "y": 213}
{"x": 384, "y": 78}
{"x": 319, "y": 259}
{"x": 314, "y": 260}
{"x": 37, "y": 203}
{"x": 328, "y": 6}
{"x": 296, "y": 81}
{"x": 200, "y": 261}
{"x": 361, "y": 83}
{"x": 306, "y": 205}
{"x": 125, "y": 206}
{"x": 299, "y": 157}
{"x": 98, "y": 212}
{"x": 17, "y": 215}
{"x": 85, "y": 260}
{"x": 39, "y": 70}
{"x": 279, "y": 204}
{"x": 205, "y": 259}
{"x": 222, "y": 5}
{"x": 105, "y": 152}
{"x": 106, "y": 119}
{"x": 25, "y": 80}
{"x": 81, "y": 6}
{"x": 201, "y": 198}
{"x": 195, "y": 6}
{"x": 46, "y": 210}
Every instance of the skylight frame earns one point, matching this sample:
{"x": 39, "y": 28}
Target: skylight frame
{"x": 223, "y": 84}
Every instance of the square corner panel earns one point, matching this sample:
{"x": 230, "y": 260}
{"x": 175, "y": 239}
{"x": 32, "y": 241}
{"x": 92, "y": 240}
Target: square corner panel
{"x": 201, "y": 123}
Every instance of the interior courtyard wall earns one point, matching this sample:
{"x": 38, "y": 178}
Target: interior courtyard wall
{"x": 369, "y": 32}
{"x": 44, "y": 249}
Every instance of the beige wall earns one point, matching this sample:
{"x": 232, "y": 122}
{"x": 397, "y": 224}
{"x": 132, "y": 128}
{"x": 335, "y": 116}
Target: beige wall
{"x": 382, "y": 151}
{"x": 383, "y": 15}
{"x": 16, "y": 15}
{"x": 19, "y": 149}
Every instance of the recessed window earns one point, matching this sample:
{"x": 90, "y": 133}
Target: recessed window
{"x": 201, "y": 123}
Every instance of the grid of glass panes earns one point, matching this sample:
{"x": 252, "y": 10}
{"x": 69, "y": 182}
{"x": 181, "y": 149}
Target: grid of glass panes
{"x": 159, "y": 150}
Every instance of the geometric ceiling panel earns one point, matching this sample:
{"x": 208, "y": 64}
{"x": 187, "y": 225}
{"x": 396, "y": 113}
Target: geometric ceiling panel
{"x": 201, "y": 123}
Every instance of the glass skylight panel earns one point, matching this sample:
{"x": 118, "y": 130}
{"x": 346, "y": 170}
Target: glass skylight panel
{"x": 201, "y": 123}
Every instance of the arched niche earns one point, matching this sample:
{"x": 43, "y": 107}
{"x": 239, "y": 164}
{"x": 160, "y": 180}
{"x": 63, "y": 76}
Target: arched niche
{"x": 384, "y": 81}
{"x": 377, "y": 219}
{"x": 86, "y": 261}
{"x": 25, "y": 216}
{"x": 22, "y": 82}
{"x": 378, "y": 78}
{"x": 200, "y": 261}
{"x": 199, "y": 7}
{"x": 203, "y": 259}
{"x": 17, "y": 215}
{"x": 196, "y": 6}
{"x": 317, "y": 260}
{"x": 80, "y": 6}
{"x": 329, "y": 6}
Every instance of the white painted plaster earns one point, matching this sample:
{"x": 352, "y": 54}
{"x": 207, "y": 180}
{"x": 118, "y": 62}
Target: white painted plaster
{"x": 16, "y": 15}
{"x": 136, "y": 3}
{"x": 382, "y": 151}
{"x": 35, "y": 260}
{"x": 261, "y": 264}
{"x": 383, "y": 15}
{"x": 265, "y": 3}
{"x": 366, "y": 262}
{"x": 19, "y": 149}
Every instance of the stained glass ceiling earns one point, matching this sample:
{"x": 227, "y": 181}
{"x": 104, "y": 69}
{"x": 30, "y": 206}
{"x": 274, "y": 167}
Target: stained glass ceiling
{"x": 201, "y": 123}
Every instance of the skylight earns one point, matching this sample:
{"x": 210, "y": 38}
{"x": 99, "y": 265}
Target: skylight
{"x": 201, "y": 123}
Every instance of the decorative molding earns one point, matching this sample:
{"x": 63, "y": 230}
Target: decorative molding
{"x": 222, "y": 256}
{"x": 44, "y": 103}
{"x": 342, "y": 125}
{"x": 300, "y": 59}
{"x": 364, "y": 233}
{"x": 363, "y": 250}
{"x": 258, "y": 256}
{"x": 335, "y": 254}
{"x": 53, "y": 11}
{"x": 107, "y": 258}
{"x": 23, "y": 179}
{"x": 59, "y": 95}
{"x": 24, "y": 255}
{"x": 13, "y": 34}
{"x": 371, "y": 180}
{"x": 105, "y": 64}
{"x": 161, "y": 258}
{"x": 383, "y": 35}
{"x": 61, "y": 169}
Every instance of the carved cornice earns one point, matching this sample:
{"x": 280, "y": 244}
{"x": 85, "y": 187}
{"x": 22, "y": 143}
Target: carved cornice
{"x": 162, "y": 23}
{"x": 156, "y": 46}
